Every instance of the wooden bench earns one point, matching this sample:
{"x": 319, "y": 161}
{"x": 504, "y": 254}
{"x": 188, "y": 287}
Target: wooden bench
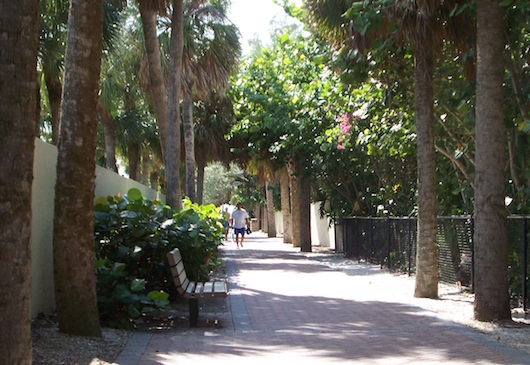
{"x": 191, "y": 290}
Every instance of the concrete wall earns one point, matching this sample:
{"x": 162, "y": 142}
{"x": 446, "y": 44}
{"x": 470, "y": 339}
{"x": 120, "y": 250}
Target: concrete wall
{"x": 322, "y": 234}
{"x": 44, "y": 172}
{"x": 107, "y": 183}
{"x": 43, "y": 195}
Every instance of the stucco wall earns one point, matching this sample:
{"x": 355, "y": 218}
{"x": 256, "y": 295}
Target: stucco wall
{"x": 322, "y": 234}
{"x": 42, "y": 200}
{"x": 43, "y": 195}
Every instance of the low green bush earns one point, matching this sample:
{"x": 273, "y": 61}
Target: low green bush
{"x": 132, "y": 236}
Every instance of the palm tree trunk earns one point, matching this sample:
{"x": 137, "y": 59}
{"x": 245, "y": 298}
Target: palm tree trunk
{"x": 110, "y": 138}
{"x": 144, "y": 172}
{"x": 427, "y": 251}
{"x": 271, "y": 222}
{"x": 294, "y": 181}
{"x": 154, "y": 176}
{"x": 265, "y": 215}
{"x": 305, "y": 214}
{"x": 173, "y": 189}
{"x": 55, "y": 89}
{"x": 19, "y": 44}
{"x": 491, "y": 255}
{"x": 286, "y": 205}
{"x": 156, "y": 77}
{"x": 133, "y": 155}
{"x": 73, "y": 233}
{"x": 200, "y": 180}
{"x": 189, "y": 145}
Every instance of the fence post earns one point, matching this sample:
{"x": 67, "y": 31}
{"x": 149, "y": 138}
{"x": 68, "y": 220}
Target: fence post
{"x": 389, "y": 251}
{"x": 357, "y": 240}
{"x": 370, "y": 227}
{"x": 472, "y": 246}
{"x": 409, "y": 246}
{"x": 525, "y": 261}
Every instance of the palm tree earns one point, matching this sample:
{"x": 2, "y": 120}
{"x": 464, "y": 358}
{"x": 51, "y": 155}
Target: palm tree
{"x": 269, "y": 198}
{"x": 491, "y": 255}
{"x": 172, "y": 156}
{"x": 213, "y": 120}
{"x": 149, "y": 9}
{"x": 53, "y": 23}
{"x": 300, "y": 189}
{"x": 211, "y": 53}
{"x": 286, "y": 205}
{"x": 54, "y": 16}
{"x": 73, "y": 244}
{"x": 19, "y": 24}
{"x": 424, "y": 24}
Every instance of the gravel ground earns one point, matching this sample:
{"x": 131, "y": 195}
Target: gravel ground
{"x": 53, "y": 348}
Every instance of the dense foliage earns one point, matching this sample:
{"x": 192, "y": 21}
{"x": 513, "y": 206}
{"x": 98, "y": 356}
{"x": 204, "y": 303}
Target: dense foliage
{"x": 354, "y": 141}
{"x": 132, "y": 237}
{"x": 291, "y": 98}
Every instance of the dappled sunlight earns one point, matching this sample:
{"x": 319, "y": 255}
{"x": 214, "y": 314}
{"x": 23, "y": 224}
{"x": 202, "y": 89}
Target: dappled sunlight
{"x": 314, "y": 309}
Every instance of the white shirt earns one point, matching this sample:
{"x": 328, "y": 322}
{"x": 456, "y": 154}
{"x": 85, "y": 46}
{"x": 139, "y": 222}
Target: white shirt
{"x": 240, "y": 218}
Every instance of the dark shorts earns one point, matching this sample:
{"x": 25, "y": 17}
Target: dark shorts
{"x": 239, "y": 231}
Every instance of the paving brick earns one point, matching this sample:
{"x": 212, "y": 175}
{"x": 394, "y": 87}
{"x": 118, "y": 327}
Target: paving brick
{"x": 284, "y": 306}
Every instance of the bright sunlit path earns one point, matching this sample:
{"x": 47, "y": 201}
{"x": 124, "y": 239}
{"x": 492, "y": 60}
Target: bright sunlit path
{"x": 256, "y": 19}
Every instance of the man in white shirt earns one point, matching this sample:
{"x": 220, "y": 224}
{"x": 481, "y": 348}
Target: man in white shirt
{"x": 240, "y": 223}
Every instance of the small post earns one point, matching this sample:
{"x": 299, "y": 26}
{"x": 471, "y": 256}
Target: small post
{"x": 194, "y": 311}
{"x": 525, "y": 263}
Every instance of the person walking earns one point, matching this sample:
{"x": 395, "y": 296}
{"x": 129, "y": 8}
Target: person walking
{"x": 226, "y": 222}
{"x": 240, "y": 223}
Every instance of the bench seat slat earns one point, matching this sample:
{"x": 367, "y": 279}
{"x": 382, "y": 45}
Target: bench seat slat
{"x": 199, "y": 290}
{"x": 208, "y": 288}
{"x": 220, "y": 287}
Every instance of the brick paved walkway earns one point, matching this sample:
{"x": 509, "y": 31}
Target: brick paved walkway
{"x": 284, "y": 306}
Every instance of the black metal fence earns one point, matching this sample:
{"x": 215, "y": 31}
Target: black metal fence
{"x": 391, "y": 243}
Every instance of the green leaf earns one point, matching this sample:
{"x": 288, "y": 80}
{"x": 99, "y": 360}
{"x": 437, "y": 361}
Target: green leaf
{"x": 134, "y": 194}
{"x": 133, "y": 312}
{"x": 102, "y": 200}
{"x": 137, "y": 285}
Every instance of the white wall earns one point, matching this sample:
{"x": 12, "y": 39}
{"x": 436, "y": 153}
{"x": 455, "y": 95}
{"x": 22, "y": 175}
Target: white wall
{"x": 42, "y": 201}
{"x": 322, "y": 234}
{"x": 43, "y": 195}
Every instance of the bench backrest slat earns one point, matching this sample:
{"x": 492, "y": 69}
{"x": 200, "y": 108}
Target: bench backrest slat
{"x": 180, "y": 278}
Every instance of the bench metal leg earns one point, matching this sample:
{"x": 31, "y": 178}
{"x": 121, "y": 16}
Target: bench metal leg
{"x": 194, "y": 311}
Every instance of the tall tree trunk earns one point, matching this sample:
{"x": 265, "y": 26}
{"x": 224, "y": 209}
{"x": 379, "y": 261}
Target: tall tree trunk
{"x": 286, "y": 205}
{"x": 55, "y": 89}
{"x": 259, "y": 216}
{"x": 73, "y": 243}
{"x": 305, "y": 214}
{"x": 189, "y": 146}
{"x": 133, "y": 155}
{"x": 176, "y": 45}
{"x": 427, "y": 250}
{"x": 200, "y": 180}
{"x": 110, "y": 138}
{"x": 271, "y": 222}
{"x": 295, "y": 185}
{"x": 144, "y": 174}
{"x": 19, "y": 26}
{"x": 265, "y": 225}
{"x": 491, "y": 262}
{"x": 156, "y": 77}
